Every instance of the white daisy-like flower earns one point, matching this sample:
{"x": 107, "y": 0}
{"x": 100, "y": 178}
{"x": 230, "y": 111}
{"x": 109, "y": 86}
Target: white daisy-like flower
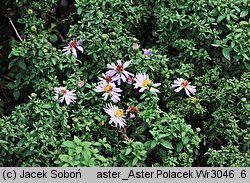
{"x": 118, "y": 71}
{"x": 142, "y": 81}
{"x": 72, "y": 47}
{"x": 109, "y": 89}
{"x": 63, "y": 94}
{"x": 181, "y": 83}
{"x": 116, "y": 115}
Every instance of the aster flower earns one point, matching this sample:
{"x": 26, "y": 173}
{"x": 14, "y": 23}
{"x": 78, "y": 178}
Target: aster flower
{"x": 72, "y": 47}
{"x": 109, "y": 89}
{"x": 117, "y": 71}
{"x": 63, "y": 94}
{"x": 132, "y": 111}
{"x": 147, "y": 52}
{"x": 108, "y": 78}
{"x": 142, "y": 81}
{"x": 116, "y": 115}
{"x": 181, "y": 83}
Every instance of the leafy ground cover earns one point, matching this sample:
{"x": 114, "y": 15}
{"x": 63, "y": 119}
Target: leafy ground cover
{"x": 125, "y": 83}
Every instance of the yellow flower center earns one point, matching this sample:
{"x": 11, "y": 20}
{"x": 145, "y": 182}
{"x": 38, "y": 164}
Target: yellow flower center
{"x": 108, "y": 88}
{"x": 146, "y": 83}
{"x": 118, "y": 113}
{"x": 184, "y": 83}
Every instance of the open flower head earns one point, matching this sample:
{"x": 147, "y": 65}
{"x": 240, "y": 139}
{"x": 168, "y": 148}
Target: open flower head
{"x": 116, "y": 115}
{"x": 147, "y": 52}
{"x": 108, "y": 78}
{"x": 142, "y": 81}
{"x": 118, "y": 71}
{"x": 109, "y": 89}
{"x": 181, "y": 83}
{"x": 72, "y": 47}
{"x": 62, "y": 94}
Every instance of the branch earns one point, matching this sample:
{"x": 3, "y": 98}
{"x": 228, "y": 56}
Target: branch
{"x": 14, "y": 28}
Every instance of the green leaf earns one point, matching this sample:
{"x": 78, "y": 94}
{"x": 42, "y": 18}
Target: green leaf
{"x": 129, "y": 149}
{"x": 226, "y": 53}
{"x": 185, "y": 140}
{"x": 64, "y": 157}
{"x": 167, "y": 144}
{"x": 53, "y": 38}
{"x": 46, "y": 106}
{"x": 78, "y": 149}
{"x": 244, "y": 13}
{"x": 77, "y": 140}
{"x": 79, "y": 10}
{"x": 247, "y": 65}
{"x": 11, "y": 64}
{"x": 153, "y": 144}
{"x": 221, "y": 17}
{"x": 135, "y": 160}
{"x": 86, "y": 155}
{"x": 3, "y": 144}
{"x": 179, "y": 147}
{"x": 22, "y": 64}
{"x": 69, "y": 144}
{"x": 143, "y": 96}
{"x": 16, "y": 94}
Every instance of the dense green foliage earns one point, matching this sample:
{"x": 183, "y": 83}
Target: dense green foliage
{"x": 206, "y": 42}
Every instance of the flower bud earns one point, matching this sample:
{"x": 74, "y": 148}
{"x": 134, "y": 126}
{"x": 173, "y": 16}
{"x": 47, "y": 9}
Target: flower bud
{"x": 75, "y": 120}
{"x": 33, "y": 28}
{"x": 135, "y": 46}
{"x": 104, "y": 36}
{"x": 80, "y": 84}
{"x": 33, "y": 95}
{"x": 243, "y": 99}
{"x": 30, "y": 11}
{"x": 135, "y": 39}
{"x": 198, "y": 130}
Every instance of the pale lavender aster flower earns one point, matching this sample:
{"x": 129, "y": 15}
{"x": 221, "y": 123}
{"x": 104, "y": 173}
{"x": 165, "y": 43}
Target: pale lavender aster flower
{"x": 63, "y": 94}
{"x": 147, "y": 52}
{"x": 142, "y": 81}
{"x": 118, "y": 71}
{"x": 108, "y": 78}
{"x": 181, "y": 83}
{"x": 116, "y": 115}
{"x": 109, "y": 89}
{"x": 72, "y": 47}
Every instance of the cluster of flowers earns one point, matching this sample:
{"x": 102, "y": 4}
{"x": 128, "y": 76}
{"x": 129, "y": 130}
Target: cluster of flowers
{"x": 108, "y": 86}
{"x": 116, "y": 75}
